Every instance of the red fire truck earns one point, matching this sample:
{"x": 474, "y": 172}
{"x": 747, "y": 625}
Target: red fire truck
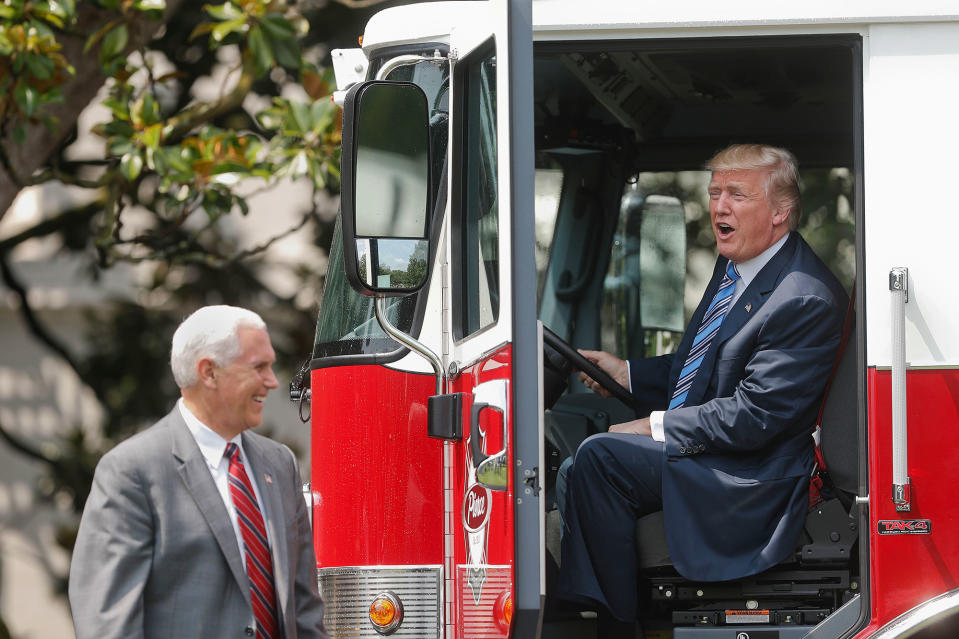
{"x": 521, "y": 181}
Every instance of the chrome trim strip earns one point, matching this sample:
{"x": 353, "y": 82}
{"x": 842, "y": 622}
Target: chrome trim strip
{"x": 924, "y": 615}
{"x": 348, "y": 592}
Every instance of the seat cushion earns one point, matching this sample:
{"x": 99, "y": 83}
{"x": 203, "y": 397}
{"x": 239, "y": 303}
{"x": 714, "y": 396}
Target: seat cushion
{"x": 651, "y": 541}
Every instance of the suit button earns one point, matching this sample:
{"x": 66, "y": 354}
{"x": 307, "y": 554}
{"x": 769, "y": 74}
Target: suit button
{"x": 250, "y": 631}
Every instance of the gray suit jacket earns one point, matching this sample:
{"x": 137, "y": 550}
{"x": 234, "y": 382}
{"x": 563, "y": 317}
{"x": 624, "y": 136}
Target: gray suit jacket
{"x": 156, "y": 555}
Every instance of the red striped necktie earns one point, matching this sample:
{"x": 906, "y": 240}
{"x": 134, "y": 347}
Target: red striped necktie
{"x": 259, "y": 564}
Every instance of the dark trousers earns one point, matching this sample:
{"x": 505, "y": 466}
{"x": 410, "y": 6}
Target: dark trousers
{"x": 615, "y": 479}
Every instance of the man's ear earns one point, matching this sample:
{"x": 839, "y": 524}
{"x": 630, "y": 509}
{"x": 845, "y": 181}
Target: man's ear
{"x": 781, "y": 215}
{"x": 206, "y": 370}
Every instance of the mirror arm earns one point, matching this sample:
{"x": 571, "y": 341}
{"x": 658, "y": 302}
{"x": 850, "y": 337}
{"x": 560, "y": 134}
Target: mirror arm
{"x": 407, "y": 60}
{"x": 409, "y": 342}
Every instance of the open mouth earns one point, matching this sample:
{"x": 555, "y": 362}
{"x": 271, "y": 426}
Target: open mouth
{"x": 724, "y": 230}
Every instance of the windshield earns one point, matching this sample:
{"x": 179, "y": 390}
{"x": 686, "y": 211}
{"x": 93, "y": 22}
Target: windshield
{"x": 347, "y": 323}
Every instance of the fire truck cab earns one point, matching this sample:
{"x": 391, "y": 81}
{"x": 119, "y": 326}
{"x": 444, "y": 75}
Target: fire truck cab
{"x": 521, "y": 180}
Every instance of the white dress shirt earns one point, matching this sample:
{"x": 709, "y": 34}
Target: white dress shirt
{"x": 748, "y": 271}
{"x": 213, "y": 449}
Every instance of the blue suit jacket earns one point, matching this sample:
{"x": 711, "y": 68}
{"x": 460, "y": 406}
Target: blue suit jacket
{"x": 739, "y": 454}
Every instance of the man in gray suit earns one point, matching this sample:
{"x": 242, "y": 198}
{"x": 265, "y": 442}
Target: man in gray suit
{"x": 196, "y": 527}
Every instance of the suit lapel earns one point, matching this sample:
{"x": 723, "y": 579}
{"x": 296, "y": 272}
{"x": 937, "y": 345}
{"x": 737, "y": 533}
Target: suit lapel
{"x": 199, "y": 483}
{"x": 752, "y": 299}
{"x": 267, "y": 483}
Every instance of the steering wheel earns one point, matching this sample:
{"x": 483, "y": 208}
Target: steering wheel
{"x": 571, "y": 355}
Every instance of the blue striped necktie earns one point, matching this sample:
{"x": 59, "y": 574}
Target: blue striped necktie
{"x": 708, "y": 328}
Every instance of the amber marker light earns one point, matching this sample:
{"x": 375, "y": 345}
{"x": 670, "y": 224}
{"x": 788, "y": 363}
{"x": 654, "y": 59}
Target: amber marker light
{"x": 386, "y": 613}
{"x": 503, "y": 610}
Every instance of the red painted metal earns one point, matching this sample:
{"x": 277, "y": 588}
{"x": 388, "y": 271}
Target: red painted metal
{"x": 474, "y": 613}
{"x": 907, "y": 570}
{"x": 376, "y": 476}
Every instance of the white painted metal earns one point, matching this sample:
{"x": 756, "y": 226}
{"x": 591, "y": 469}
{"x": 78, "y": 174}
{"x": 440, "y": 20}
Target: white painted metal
{"x": 911, "y": 139}
{"x": 910, "y": 61}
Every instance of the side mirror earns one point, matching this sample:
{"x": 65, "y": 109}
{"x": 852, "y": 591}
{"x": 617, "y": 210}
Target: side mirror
{"x": 385, "y": 175}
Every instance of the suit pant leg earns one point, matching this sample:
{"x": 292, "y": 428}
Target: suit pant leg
{"x": 615, "y": 478}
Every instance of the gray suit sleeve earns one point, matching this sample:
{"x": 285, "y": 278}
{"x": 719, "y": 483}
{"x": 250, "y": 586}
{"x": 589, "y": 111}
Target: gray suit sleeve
{"x": 112, "y": 556}
{"x": 306, "y": 597}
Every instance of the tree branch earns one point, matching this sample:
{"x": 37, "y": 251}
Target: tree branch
{"x": 20, "y": 161}
{"x": 41, "y": 332}
{"x": 51, "y": 225}
{"x": 22, "y": 447}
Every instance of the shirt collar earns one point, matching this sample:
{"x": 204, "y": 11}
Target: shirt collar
{"x": 749, "y": 269}
{"x": 211, "y": 445}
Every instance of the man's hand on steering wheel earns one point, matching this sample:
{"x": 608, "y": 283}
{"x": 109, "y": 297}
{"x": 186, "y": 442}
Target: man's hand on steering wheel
{"x": 614, "y": 367}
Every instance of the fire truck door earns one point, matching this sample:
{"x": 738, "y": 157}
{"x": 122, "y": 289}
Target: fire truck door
{"x": 494, "y": 565}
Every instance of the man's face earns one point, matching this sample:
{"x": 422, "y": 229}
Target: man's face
{"x": 242, "y": 386}
{"x": 745, "y": 222}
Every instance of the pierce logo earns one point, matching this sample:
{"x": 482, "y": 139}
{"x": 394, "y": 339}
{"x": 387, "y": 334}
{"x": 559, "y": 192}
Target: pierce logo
{"x": 905, "y": 527}
{"x": 476, "y": 507}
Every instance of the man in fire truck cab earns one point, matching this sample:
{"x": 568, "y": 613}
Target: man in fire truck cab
{"x": 726, "y": 451}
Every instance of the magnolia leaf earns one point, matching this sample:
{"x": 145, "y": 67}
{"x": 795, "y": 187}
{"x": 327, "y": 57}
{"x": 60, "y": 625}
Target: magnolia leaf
{"x": 261, "y": 50}
{"x": 120, "y": 146}
{"x": 224, "y": 12}
{"x": 130, "y": 165}
{"x": 98, "y": 35}
{"x": 28, "y": 99}
{"x": 114, "y": 42}
{"x": 150, "y": 5}
{"x": 278, "y": 27}
{"x": 224, "y": 29}
{"x": 151, "y": 136}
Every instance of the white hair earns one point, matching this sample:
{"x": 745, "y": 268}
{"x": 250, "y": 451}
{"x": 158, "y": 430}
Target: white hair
{"x": 210, "y": 332}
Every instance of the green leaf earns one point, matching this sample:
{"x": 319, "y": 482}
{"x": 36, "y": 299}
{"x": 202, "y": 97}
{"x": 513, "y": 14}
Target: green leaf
{"x": 287, "y": 53}
{"x": 41, "y": 67}
{"x": 174, "y": 159}
{"x": 97, "y": 35}
{"x": 119, "y": 146}
{"x": 261, "y": 51}
{"x": 270, "y": 119}
{"x": 224, "y": 29}
{"x": 114, "y": 43}
{"x": 301, "y": 118}
{"x": 119, "y": 109}
{"x": 299, "y": 166}
{"x": 323, "y": 113}
{"x": 228, "y": 167}
{"x": 277, "y": 27}
{"x": 28, "y": 99}
{"x": 150, "y": 5}
{"x": 118, "y": 128}
{"x": 150, "y": 110}
{"x": 225, "y": 11}
{"x": 151, "y": 136}
{"x": 130, "y": 165}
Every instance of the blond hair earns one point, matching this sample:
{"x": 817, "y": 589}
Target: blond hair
{"x": 782, "y": 177}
